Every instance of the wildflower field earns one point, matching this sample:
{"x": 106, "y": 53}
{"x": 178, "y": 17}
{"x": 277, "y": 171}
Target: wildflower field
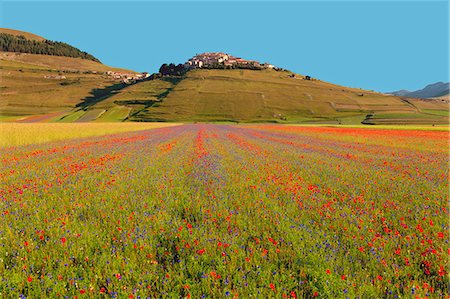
{"x": 221, "y": 211}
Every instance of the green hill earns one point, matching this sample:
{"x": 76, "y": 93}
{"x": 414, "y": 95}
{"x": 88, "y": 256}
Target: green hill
{"x": 40, "y": 87}
{"x": 265, "y": 96}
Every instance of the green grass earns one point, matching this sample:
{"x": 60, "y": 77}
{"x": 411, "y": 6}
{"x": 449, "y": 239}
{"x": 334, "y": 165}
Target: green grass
{"x": 114, "y": 114}
{"x": 91, "y": 115}
{"x": 405, "y": 115}
{"x": 72, "y": 116}
{"x": 436, "y": 112}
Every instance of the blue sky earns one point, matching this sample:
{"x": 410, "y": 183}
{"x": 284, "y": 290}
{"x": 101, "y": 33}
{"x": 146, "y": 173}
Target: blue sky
{"x": 380, "y": 45}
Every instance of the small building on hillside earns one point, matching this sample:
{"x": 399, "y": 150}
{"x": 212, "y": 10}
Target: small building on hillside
{"x": 55, "y": 77}
{"x": 267, "y": 65}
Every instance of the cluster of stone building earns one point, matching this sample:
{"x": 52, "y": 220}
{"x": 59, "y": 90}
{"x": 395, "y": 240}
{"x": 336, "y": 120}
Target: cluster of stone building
{"x": 128, "y": 77}
{"x": 218, "y": 58}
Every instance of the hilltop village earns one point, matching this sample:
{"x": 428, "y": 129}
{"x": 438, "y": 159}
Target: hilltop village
{"x": 217, "y": 59}
{"x": 207, "y": 60}
{"x": 213, "y": 60}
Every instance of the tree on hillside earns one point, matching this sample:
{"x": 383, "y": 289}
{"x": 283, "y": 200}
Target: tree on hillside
{"x": 13, "y": 43}
{"x": 172, "y": 69}
{"x": 164, "y": 69}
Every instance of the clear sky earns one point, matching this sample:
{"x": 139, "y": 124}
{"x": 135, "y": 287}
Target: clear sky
{"x": 380, "y": 45}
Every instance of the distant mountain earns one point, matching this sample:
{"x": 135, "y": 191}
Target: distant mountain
{"x": 430, "y": 91}
{"x": 400, "y": 93}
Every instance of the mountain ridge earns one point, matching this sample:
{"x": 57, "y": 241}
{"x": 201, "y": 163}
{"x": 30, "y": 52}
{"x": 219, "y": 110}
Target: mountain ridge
{"x": 432, "y": 90}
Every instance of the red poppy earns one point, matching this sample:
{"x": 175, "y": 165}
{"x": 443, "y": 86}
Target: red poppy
{"x": 419, "y": 228}
{"x": 441, "y": 271}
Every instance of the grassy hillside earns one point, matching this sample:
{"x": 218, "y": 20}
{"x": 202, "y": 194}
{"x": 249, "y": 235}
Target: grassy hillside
{"x": 47, "y": 87}
{"x": 48, "y": 62}
{"x": 20, "y": 44}
{"x": 25, "y": 91}
{"x": 202, "y": 95}
{"x": 265, "y": 96}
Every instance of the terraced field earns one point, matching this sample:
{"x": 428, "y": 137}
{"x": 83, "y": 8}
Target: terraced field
{"x": 26, "y": 89}
{"x": 268, "y": 96}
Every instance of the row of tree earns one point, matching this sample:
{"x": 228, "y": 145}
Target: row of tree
{"x": 179, "y": 70}
{"x": 172, "y": 69}
{"x": 18, "y": 43}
